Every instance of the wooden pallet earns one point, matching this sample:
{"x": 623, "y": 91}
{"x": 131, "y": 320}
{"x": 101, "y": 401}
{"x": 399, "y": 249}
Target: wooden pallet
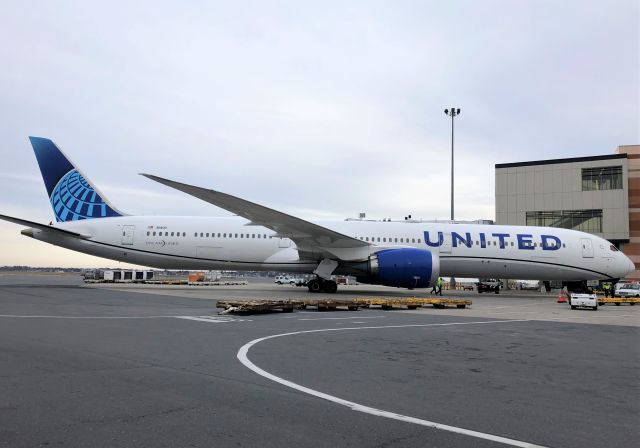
{"x": 245, "y": 306}
{"x": 332, "y": 304}
{"x": 414, "y": 303}
{"x": 287, "y": 306}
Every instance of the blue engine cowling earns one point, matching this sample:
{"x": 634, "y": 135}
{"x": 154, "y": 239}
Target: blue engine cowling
{"x": 404, "y": 268}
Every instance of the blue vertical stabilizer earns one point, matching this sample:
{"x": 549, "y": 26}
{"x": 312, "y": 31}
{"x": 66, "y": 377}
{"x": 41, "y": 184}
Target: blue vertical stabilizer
{"x": 72, "y": 196}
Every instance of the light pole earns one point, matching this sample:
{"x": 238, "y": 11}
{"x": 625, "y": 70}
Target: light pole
{"x": 453, "y": 112}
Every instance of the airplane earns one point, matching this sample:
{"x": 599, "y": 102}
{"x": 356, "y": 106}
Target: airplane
{"x": 405, "y": 254}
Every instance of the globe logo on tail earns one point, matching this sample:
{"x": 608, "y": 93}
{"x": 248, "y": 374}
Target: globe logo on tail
{"x": 73, "y": 199}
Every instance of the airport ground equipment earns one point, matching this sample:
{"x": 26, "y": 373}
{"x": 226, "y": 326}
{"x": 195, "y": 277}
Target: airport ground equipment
{"x": 263, "y": 305}
{"x": 618, "y": 300}
{"x": 332, "y": 304}
{"x": 584, "y": 301}
{"x": 413, "y": 303}
{"x": 489, "y": 285}
{"x": 248, "y": 306}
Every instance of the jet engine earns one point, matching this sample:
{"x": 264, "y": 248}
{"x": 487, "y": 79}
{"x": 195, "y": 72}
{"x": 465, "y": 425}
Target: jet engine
{"x": 403, "y": 268}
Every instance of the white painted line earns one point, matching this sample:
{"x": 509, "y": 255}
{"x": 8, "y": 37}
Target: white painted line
{"x": 242, "y": 357}
{"x": 211, "y": 320}
{"x": 82, "y": 317}
{"x": 342, "y": 318}
{"x": 215, "y": 319}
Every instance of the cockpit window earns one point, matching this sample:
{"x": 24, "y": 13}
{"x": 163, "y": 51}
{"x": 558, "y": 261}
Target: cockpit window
{"x": 614, "y": 248}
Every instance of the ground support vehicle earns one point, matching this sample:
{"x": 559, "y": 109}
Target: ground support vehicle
{"x": 627, "y": 290}
{"x": 489, "y": 285}
{"x": 584, "y": 301}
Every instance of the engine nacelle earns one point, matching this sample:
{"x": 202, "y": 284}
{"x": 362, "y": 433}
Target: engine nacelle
{"x": 403, "y": 268}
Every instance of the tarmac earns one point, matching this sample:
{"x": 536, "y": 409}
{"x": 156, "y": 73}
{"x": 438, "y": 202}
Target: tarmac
{"x": 133, "y": 365}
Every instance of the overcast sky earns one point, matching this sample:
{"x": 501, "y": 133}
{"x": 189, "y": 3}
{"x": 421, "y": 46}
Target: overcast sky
{"x": 318, "y": 109}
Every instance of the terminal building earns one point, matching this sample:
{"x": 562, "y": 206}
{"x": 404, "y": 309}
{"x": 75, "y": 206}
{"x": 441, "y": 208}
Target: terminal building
{"x": 597, "y": 194}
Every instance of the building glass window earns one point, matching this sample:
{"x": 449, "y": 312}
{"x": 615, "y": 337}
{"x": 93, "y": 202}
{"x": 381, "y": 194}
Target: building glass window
{"x": 584, "y": 220}
{"x": 602, "y": 178}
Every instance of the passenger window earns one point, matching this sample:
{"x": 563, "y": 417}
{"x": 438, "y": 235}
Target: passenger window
{"x": 378, "y": 239}
{"x": 413, "y": 240}
{"x": 201, "y": 234}
{"x": 166, "y": 233}
{"x": 384, "y": 240}
{"x": 171, "y": 233}
{"x": 419, "y": 241}
{"x": 242, "y": 235}
{"x": 253, "y": 235}
{"x": 148, "y": 233}
{"x": 154, "y": 233}
{"x": 236, "y": 235}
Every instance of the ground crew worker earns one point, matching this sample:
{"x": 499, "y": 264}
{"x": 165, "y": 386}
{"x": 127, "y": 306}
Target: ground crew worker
{"x": 434, "y": 290}
{"x": 606, "y": 287}
{"x": 439, "y": 285}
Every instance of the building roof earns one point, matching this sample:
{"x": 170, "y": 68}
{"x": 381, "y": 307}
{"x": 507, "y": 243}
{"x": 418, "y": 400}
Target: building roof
{"x": 556, "y": 161}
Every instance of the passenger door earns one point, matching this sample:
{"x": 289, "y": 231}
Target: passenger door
{"x": 446, "y": 243}
{"x": 127, "y": 235}
{"x": 587, "y": 247}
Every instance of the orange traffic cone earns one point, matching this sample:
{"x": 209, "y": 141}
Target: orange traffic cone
{"x": 562, "y": 298}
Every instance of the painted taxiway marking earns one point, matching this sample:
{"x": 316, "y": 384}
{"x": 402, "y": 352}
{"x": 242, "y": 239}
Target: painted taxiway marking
{"x": 82, "y": 317}
{"x": 209, "y": 319}
{"x": 213, "y": 319}
{"x": 342, "y": 318}
{"x": 242, "y": 357}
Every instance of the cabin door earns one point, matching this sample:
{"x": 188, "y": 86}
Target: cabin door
{"x": 587, "y": 247}
{"x": 446, "y": 243}
{"x": 127, "y": 235}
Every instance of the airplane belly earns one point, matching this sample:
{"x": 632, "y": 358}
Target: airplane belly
{"x": 538, "y": 268}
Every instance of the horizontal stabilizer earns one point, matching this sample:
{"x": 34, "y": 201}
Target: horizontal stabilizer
{"x": 43, "y": 227}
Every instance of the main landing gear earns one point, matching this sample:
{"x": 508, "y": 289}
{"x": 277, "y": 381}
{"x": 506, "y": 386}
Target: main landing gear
{"x": 322, "y": 285}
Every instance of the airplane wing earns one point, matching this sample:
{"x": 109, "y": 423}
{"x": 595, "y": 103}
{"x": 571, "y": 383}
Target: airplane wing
{"x": 44, "y": 227}
{"x": 307, "y": 236}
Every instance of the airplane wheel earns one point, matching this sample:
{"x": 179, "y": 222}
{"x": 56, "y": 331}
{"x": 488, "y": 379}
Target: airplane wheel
{"x": 330, "y": 286}
{"x": 314, "y": 286}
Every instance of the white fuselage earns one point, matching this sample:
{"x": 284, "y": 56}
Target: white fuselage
{"x": 465, "y": 250}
